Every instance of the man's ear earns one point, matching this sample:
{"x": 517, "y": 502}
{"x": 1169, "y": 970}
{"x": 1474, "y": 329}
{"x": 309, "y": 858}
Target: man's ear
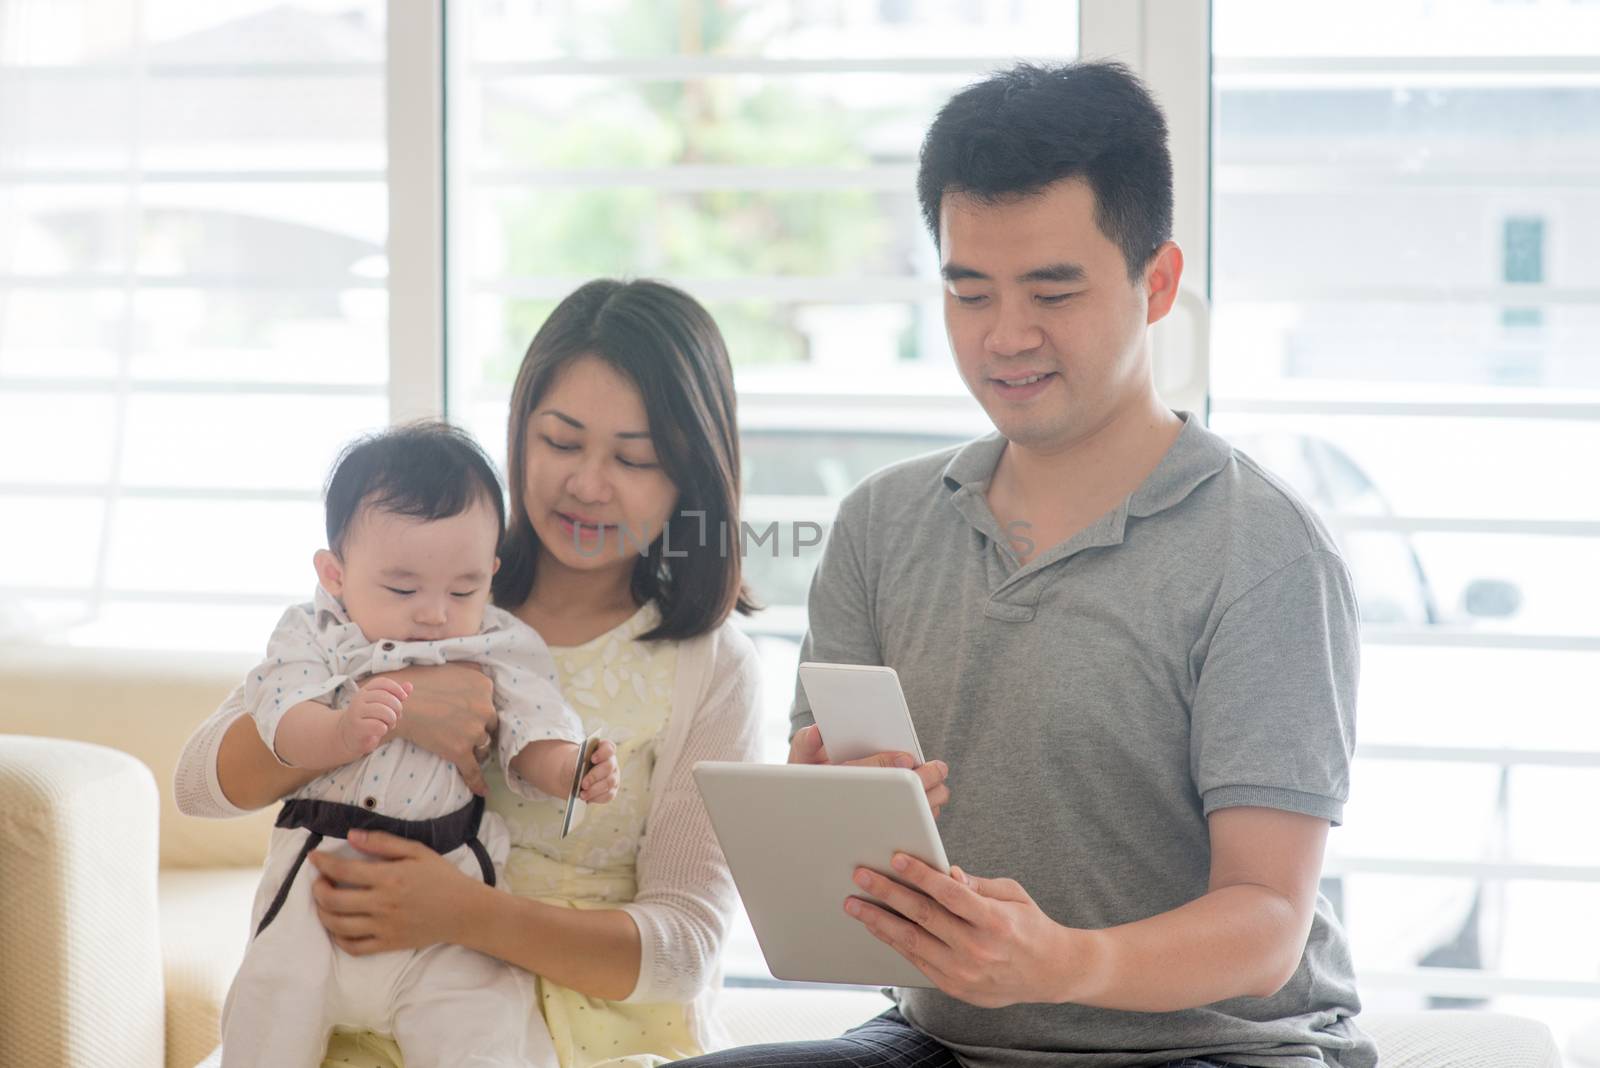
{"x": 330, "y": 571}
{"x": 1161, "y": 277}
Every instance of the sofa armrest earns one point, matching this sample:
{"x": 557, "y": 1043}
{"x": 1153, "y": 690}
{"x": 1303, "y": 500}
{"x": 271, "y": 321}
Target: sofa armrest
{"x": 78, "y": 914}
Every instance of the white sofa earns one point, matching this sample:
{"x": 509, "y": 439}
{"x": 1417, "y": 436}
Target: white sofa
{"x": 121, "y": 922}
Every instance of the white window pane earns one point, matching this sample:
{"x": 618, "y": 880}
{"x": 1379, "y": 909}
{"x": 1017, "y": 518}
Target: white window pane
{"x": 766, "y": 120}
{"x": 1478, "y": 698}
{"x": 780, "y": 194}
{"x": 177, "y": 626}
{"x": 1541, "y": 810}
{"x": 55, "y": 438}
{"x": 605, "y": 29}
{"x": 1403, "y": 223}
{"x": 216, "y": 547}
{"x": 50, "y": 542}
{"x": 318, "y": 120}
{"x": 42, "y": 618}
{"x": 720, "y": 233}
{"x": 322, "y": 336}
{"x": 1394, "y": 921}
{"x": 194, "y": 234}
{"x": 1379, "y": 465}
{"x": 276, "y": 441}
{"x": 1438, "y": 350}
{"x": 66, "y": 118}
{"x": 1412, "y": 810}
{"x": 262, "y": 32}
{"x": 301, "y": 233}
{"x": 60, "y": 333}
{"x": 1545, "y": 942}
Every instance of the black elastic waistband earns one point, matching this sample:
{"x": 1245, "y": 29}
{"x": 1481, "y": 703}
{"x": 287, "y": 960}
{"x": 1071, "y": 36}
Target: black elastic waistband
{"x": 332, "y": 819}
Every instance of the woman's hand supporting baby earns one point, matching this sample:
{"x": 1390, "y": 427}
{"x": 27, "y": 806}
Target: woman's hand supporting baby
{"x": 450, "y": 713}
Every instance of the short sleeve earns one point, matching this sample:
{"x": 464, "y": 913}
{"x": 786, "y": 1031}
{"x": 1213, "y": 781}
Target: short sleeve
{"x": 298, "y": 667}
{"x": 528, "y": 699}
{"x": 1273, "y": 720}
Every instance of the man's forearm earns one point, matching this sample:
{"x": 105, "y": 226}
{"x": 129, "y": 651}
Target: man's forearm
{"x": 1236, "y": 941}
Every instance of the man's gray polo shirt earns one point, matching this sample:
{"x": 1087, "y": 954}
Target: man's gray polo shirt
{"x": 1194, "y": 649}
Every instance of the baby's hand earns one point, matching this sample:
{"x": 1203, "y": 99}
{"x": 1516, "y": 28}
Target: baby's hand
{"x": 600, "y": 785}
{"x": 371, "y": 714}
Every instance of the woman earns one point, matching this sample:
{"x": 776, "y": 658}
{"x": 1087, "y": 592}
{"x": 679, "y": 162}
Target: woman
{"x": 624, "y": 471}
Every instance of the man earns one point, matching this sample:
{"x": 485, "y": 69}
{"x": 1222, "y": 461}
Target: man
{"x": 1135, "y": 651}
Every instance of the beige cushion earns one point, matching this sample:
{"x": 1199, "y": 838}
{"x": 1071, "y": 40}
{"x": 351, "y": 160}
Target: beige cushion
{"x": 1456, "y": 1039}
{"x": 143, "y": 704}
{"x": 205, "y": 921}
{"x": 80, "y": 982}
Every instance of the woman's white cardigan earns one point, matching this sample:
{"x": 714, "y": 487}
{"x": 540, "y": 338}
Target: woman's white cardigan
{"x": 685, "y": 894}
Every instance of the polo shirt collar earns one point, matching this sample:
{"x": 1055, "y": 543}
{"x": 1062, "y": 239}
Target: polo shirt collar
{"x": 975, "y": 461}
{"x": 1194, "y": 456}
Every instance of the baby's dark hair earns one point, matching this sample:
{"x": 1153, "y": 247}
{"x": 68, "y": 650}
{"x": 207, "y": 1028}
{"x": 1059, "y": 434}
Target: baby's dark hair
{"x": 424, "y": 470}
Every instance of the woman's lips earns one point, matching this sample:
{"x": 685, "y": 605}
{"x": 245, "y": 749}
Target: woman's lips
{"x": 584, "y": 528}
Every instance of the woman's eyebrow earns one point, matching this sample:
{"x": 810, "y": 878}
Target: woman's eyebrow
{"x": 564, "y": 417}
{"x": 575, "y": 424}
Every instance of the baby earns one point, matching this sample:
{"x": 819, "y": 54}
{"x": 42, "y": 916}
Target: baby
{"x": 414, "y": 517}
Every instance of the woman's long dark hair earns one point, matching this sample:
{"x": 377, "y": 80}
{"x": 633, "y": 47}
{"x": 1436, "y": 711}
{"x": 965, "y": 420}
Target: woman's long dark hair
{"x": 666, "y": 344}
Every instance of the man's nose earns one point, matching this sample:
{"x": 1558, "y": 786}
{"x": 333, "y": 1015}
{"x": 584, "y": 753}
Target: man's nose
{"x": 1013, "y": 330}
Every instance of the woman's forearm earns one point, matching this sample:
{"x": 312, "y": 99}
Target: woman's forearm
{"x": 250, "y": 776}
{"x": 593, "y": 951}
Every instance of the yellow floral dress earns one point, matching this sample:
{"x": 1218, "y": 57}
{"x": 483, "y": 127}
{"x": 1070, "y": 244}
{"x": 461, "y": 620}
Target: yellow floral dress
{"x": 622, "y": 688}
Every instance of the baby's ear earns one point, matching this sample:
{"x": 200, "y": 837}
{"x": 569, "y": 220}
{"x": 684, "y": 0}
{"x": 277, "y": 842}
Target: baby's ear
{"x": 330, "y": 571}
{"x": 495, "y": 570}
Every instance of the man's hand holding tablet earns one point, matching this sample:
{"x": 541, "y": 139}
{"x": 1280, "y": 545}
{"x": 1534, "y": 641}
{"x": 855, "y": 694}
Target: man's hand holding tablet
{"x": 800, "y": 843}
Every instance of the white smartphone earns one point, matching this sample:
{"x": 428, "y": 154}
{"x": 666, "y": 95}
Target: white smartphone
{"x": 860, "y": 710}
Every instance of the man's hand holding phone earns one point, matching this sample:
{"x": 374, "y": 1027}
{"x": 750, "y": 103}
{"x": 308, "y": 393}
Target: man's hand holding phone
{"x": 863, "y": 710}
{"x": 806, "y": 748}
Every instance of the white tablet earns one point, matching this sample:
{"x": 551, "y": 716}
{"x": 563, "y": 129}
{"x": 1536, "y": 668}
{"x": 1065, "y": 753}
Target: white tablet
{"x": 794, "y": 835}
{"x": 860, "y": 710}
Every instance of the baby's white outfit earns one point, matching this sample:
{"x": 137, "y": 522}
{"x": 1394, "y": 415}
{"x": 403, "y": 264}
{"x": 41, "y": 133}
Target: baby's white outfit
{"x": 444, "y": 1005}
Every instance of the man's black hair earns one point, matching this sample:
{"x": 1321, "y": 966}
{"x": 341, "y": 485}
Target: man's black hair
{"x": 1026, "y": 127}
{"x": 424, "y": 470}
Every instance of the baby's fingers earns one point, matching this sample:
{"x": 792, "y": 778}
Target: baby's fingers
{"x": 601, "y": 783}
{"x": 607, "y": 769}
{"x": 379, "y": 714}
{"x": 378, "y": 699}
{"x": 383, "y": 684}
{"x": 604, "y": 750}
